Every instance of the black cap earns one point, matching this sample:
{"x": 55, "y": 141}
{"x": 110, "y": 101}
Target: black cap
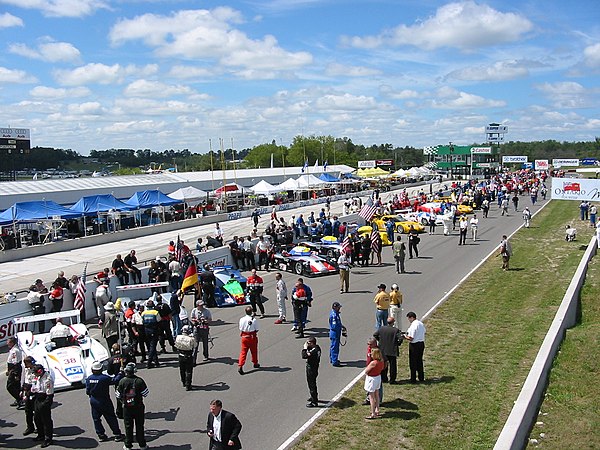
{"x": 336, "y": 305}
{"x": 382, "y": 286}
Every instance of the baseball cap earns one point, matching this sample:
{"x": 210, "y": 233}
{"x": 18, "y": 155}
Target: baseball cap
{"x": 381, "y": 286}
{"x": 336, "y": 305}
{"x": 110, "y": 306}
{"x": 97, "y": 366}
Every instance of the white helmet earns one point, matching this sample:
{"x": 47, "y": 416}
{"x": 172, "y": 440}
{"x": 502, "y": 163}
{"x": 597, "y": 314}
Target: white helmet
{"x": 395, "y": 287}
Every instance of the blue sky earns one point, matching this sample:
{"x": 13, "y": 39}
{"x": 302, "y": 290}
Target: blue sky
{"x": 97, "y": 74}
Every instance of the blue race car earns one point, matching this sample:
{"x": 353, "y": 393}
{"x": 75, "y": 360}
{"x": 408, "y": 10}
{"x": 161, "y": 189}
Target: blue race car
{"x": 231, "y": 287}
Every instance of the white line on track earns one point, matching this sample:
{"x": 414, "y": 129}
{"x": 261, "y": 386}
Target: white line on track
{"x": 289, "y": 441}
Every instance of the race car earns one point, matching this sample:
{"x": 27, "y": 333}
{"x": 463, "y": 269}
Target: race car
{"x": 423, "y": 217}
{"x": 366, "y": 231}
{"x": 70, "y": 360}
{"x": 302, "y": 261}
{"x": 231, "y": 287}
{"x": 461, "y": 208}
{"x": 327, "y": 250}
{"x": 401, "y": 224}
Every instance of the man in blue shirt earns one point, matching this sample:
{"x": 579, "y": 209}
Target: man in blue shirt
{"x": 336, "y": 329}
{"x": 97, "y": 386}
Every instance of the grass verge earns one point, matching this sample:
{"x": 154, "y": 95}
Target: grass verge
{"x": 570, "y": 414}
{"x": 480, "y": 346}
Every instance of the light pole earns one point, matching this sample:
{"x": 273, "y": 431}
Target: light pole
{"x": 451, "y": 147}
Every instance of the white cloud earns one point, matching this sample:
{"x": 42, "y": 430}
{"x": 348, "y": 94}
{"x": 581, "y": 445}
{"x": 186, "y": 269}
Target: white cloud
{"x": 86, "y": 109}
{"x": 592, "y": 55}
{"x": 448, "y": 97}
{"x": 152, "y": 89}
{"x": 567, "y": 94}
{"x": 179, "y": 71}
{"x": 48, "y": 51}
{"x": 337, "y": 70}
{"x": 7, "y": 20}
{"x": 389, "y": 92}
{"x": 150, "y": 107}
{"x": 346, "y": 102}
{"x": 15, "y": 76}
{"x": 134, "y": 126}
{"x": 58, "y": 93}
{"x": 60, "y": 8}
{"x": 208, "y": 35}
{"x": 499, "y": 71}
{"x": 465, "y": 25}
{"x": 96, "y": 73}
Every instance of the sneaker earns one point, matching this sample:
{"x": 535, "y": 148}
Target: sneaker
{"x": 205, "y": 359}
{"x": 294, "y": 328}
{"x": 15, "y": 403}
{"x": 127, "y": 448}
{"x": 278, "y": 321}
{"x": 256, "y": 366}
{"x": 311, "y": 405}
{"x": 46, "y": 444}
{"x": 341, "y": 291}
{"x": 119, "y": 437}
{"x": 102, "y": 438}
{"x": 241, "y": 371}
{"x": 28, "y": 431}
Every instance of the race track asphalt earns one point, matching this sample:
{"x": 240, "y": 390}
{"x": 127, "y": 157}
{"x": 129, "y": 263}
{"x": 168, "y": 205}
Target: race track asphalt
{"x": 270, "y": 401}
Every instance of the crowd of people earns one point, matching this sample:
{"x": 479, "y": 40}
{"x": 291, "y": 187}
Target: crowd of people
{"x": 163, "y": 319}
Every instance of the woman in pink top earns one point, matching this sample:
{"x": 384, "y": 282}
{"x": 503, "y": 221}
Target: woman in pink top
{"x": 373, "y": 381}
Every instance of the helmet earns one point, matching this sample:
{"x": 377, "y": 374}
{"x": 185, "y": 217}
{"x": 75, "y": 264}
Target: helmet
{"x": 395, "y": 286}
{"x": 130, "y": 369}
{"x": 97, "y": 366}
{"x": 186, "y": 329}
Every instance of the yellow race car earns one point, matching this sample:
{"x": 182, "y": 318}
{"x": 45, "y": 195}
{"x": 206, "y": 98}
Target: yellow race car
{"x": 366, "y": 231}
{"x": 401, "y": 224}
{"x": 460, "y": 208}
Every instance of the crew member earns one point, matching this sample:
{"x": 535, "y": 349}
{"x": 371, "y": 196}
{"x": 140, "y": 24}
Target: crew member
{"x": 26, "y": 394}
{"x": 249, "y": 339}
{"x": 416, "y": 336}
{"x": 131, "y": 392}
{"x": 281, "y": 292}
{"x": 201, "y": 318}
{"x": 14, "y": 370}
{"x": 164, "y": 325}
{"x": 60, "y": 334}
{"x": 301, "y": 301}
{"x": 254, "y": 287}
{"x": 335, "y": 333}
{"x": 209, "y": 283}
{"x": 344, "y": 265}
{"x": 185, "y": 345}
{"x": 311, "y": 352}
{"x": 97, "y": 387}
{"x": 42, "y": 389}
{"x": 151, "y": 319}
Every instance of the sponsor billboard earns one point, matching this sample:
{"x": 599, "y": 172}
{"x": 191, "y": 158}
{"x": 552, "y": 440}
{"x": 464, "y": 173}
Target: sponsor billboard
{"x": 385, "y": 162}
{"x": 565, "y": 162}
{"x": 366, "y": 164}
{"x": 541, "y": 164}
{"x": 15, "y": 140}
{"x": 496, "y": 128}
{"x": 576, "y": 189}
{"x": 481, "y": 150}
{"x": 510, "y": 159}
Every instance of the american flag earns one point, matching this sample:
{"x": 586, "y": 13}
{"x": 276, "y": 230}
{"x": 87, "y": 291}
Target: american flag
{"x": 305, "y": 166}
{"x": 368, "y": 210}
{"x": 179, "y": 250}
{"x": 346, "y": 246}
{"x": 79, "y": 301}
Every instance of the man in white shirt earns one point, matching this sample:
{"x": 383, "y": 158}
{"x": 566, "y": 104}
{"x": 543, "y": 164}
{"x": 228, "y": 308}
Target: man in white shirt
{"x": 14, "y": 370}
{"x": 474, "y": 222}
{"x": 282, "y": 294}
{"x": 60, "y": 334}
{"x": 223, "y": 428}
{"x": 249, "y": 339}
{"x": 416, "y": 337}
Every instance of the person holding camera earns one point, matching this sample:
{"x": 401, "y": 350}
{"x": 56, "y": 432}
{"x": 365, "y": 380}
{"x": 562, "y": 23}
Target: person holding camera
{"x": 201, "y": 318}
{"x": 311, "y": 352}
{"x": 336, "y": 331}
{"x": 186, "y": 345}
{"x": 249, "y": 339}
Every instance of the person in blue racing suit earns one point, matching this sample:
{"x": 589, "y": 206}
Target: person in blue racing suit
{"x": 336, "y": 329}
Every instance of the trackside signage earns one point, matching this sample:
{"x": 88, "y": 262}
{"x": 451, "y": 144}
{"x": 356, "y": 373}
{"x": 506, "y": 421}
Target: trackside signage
{"x": 508, "y": 159}
{"x": 541, "y": 164}
{"x": 565, "y": 162}
{"x": 575, "y": 189}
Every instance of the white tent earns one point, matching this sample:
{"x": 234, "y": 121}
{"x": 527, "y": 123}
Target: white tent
{"x": 399, "y": 173}
{"x": 264, "y": 188}
{"x": 309, "y": 181}
{"x": 414, "y": 172}
{"x": 288, "y": 185}
{"x": 188, "y": 193}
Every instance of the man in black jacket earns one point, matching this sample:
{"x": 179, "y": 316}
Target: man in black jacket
{"x": 311, "y": 352}
{"x": 223, "y": 428}
{"x": 131, "y": 392}
{"x": 389, "y": 340}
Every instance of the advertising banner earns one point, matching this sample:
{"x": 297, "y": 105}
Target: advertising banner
{"x": 481, "y": 150}
{"x": 366, "y": 164}
{"x": 541, "y": 164}
{"x": 508, "y": 159}
{"x": 565, "y": 162}
{"x": 576, "y": 189}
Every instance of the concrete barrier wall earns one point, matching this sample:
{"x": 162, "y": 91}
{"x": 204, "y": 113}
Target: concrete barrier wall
{"x": 515, "y": 434}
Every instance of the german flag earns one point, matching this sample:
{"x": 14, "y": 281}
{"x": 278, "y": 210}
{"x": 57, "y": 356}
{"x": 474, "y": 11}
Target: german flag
{"x": 190, "y": 278}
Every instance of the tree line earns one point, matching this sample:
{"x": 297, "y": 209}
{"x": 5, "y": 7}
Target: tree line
{"x": 303, "y": 149}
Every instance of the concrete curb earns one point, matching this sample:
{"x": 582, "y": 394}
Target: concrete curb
{"x": 515, "y": 433}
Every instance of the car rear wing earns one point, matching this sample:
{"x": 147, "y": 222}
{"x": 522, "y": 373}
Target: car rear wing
{"x": 71, "y": 314}
{"x": 132, "y": 287}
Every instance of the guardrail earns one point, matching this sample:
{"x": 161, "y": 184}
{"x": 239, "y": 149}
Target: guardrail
{"x": 516, "y": 430}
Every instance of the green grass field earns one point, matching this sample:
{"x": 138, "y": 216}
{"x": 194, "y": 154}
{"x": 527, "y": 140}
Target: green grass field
{"x": 480, "y": 346}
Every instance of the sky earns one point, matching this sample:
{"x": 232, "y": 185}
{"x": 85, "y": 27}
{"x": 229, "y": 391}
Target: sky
{"x": 177, "y": 74}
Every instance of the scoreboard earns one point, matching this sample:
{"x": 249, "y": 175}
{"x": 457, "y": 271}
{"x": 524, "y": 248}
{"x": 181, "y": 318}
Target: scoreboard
{"x": 15, "y": 141}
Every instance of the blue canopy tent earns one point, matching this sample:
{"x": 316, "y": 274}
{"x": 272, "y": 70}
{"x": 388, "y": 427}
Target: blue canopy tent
{"x": 31, "y": 212}
{"x": 327, "y": 177}
{"x": 150, "y": 199}
{"x": 93, "y": 205}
